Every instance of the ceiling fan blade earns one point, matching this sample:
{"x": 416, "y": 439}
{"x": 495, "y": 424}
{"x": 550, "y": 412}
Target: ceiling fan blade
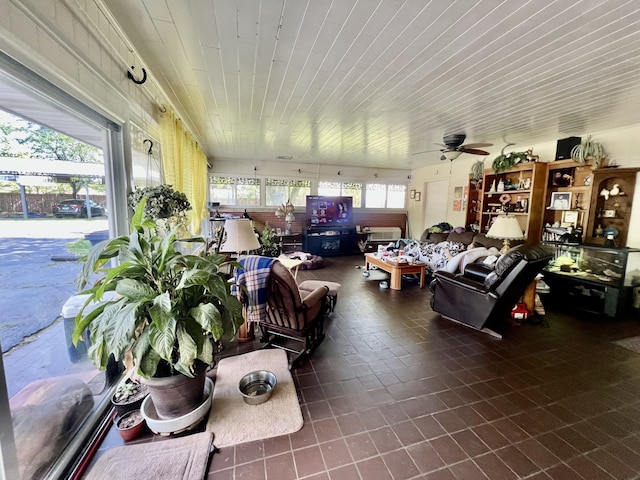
{"x": 473, "y": 151}
{"x": 477, "y": 145}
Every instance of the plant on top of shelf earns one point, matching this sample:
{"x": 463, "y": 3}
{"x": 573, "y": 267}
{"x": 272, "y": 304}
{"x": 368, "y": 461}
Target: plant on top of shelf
{"x": 505, "y": 161}
{"x": 477, "y": 172}
{"x": 588, "y": 151}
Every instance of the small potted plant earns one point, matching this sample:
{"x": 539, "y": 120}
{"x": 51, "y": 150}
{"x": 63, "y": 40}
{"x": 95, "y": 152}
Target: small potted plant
{"x": 589, "y": 152}
{"x": 129, "y": 396}
{"x": 130, "y": 425}
{"x": 170, "y": 310}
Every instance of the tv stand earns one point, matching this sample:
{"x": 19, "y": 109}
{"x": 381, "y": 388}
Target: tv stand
{"x": 332, "y": 240}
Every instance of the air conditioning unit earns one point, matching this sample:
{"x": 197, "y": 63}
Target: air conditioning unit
{"x": 384, "y": 234}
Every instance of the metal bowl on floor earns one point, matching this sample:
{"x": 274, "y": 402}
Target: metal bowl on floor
{"x": 257, "y": 387}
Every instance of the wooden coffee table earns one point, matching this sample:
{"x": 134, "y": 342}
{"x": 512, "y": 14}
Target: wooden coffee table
{"x": 395, "y": 269}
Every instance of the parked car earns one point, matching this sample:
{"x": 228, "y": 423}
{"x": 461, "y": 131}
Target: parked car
{"x": 77, "y": 208}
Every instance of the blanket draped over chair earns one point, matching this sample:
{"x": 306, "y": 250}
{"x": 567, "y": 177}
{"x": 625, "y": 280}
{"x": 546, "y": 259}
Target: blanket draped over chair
{"x": 254, "y": 276}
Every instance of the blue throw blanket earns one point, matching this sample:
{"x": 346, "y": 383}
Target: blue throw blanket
{"x": 254, "y": 275}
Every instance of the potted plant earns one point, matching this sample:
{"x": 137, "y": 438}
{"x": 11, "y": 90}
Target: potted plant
{"x": 170, "y": 310}
{"x": 268, "y": 245}
{"x": 505, "y": 161}
{"x": 130, "y": 425}
{"x": 589, "y": 151}
{"x": 477, "y": 172}
{"x": 129, "y": 396}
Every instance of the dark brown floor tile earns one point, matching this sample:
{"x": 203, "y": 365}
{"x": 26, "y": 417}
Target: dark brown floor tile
{"x": 563, "y": 472}
{"x": 305, "y": 437}
{"x": 450, "y": 421}
{"x": 350, "y": 423}
{"x": 319, "y": 410}
{"x": 227, "y": 474}
{"x": 372, "y": 418}
{"x": 400, "y": 465}
{"x": 538, "y": 453}
{"x": 319, "y": 476}
{"x": 489, "y": 435}
{"x": 425, "y": 457}
{"x": 517, "y": 461}
{"x": 277, "y": 445}
{"x": 308, "y": 461}
{"x": 448, "y": 449}
{"x": 385, "y": 439}
{"x": 444, "y": 474}
{"x": 348, "y": 472}
{"x": 470, "y": 443}
{"x": 392, "y": 414}
{"x": 587, "y": 469}
{"x": 341, "y": 405}
{"x": 510, "y": 430}
{"x": 336, "y": 453}
{"x": 327, "y": 429}
{"x": 610, "y": 464}
{"x": 467, "y": 469}
{"x": 581, "y": 443}
{"x": 361, "y": 446}
{"x": 248, "y": 452}
{"x": 223, "y": 459}
{"x": 280, "y": 467}
{"x": 251, "y": 471}
{"x": 374, "y": 468}
{"x": 407, "y": 433}
{"x": 493, "y": 467}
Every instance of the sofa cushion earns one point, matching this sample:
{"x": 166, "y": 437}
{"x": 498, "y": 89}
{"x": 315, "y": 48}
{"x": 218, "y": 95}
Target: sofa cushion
{"x": 464, "y": 237}
{"x": 481, "y": 240}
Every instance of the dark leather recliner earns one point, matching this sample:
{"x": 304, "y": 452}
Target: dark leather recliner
{"x": 481, "y": 295}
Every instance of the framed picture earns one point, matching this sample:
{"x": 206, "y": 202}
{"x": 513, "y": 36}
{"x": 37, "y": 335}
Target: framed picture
{"x": 417, "y": 196}
{"x": 412, "y": 194}
{"x": 560, "y": 201}
{"x": 571, "y": 218}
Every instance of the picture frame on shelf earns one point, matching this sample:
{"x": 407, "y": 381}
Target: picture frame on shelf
{"x": 571, "y": 218}
{"x": 560, "y": 201}
{"x": 417, "y": 197}
{"x": 412, "y": 194}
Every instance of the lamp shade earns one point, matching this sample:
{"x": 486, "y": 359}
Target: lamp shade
{"x": 240, "y": 236}
{"x": 505, "y": 227}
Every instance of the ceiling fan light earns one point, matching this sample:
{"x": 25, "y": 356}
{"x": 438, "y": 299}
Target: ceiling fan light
{"x": 451, "y": 154}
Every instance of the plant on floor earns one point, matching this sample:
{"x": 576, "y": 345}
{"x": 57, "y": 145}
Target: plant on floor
{"x": 171, "y": 307}
{"x": 268, "y": 245}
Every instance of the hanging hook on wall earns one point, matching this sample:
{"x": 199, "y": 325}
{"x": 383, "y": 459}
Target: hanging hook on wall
{"x": 134, "y": 79}
{"x": 375, "y": 175}
{"x": 339, "y": 172}
{"x": 150, "y": 151}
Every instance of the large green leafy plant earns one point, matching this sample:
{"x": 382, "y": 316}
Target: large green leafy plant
{"x": 170, "y": 308}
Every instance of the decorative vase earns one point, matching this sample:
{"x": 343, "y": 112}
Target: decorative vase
{"x": 177, "y": 395}
{"x": 130, "y": 425}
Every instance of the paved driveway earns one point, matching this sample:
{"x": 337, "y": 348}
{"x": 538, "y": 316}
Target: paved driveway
{"x": 34, "y": 287}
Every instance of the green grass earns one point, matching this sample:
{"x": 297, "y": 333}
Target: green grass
{"x": 79, "y": 247}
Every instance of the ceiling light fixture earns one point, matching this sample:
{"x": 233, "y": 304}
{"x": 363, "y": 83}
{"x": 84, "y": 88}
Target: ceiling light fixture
{"x": 284, "y": 157}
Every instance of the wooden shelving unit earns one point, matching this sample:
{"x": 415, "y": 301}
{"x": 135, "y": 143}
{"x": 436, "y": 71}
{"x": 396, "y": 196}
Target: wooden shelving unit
{"x": 523, "y": 196}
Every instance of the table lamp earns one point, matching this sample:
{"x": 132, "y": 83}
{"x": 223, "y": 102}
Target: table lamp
{"x": 505, "y": 227}
{"x": 240, "y": 236}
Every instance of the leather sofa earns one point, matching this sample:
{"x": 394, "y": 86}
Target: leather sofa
{"x": 481, "y": 295}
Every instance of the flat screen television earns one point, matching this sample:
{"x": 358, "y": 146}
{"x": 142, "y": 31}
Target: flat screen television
{"x": 325, "y": 211}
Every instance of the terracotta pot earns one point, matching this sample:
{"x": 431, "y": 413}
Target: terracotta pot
{"x": 130, "y": 425}
{"x": 177, "y": 395}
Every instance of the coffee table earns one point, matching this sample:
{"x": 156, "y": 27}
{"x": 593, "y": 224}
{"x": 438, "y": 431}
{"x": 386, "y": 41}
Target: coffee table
{"x": 395, "y": 269}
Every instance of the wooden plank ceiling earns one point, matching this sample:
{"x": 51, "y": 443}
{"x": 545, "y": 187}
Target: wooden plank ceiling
{"x": 372, "y": 82}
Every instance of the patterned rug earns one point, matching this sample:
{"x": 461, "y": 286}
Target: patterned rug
{"x": 631, "y": 343}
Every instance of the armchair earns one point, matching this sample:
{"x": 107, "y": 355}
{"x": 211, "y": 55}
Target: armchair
{"x": 294, "y": 319}
{"x": 479, "y": 296}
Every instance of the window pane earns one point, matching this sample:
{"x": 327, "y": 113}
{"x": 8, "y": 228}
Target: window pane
{"x": 353, "y": 189}
{"x": 221, "y": 190}
{"x": 376, "y": 193}
{"x": 396, "y": 196}
{"x": 330, "y": 188}
{"x": 279, "y": 191}
{"x": 248, "y": 191}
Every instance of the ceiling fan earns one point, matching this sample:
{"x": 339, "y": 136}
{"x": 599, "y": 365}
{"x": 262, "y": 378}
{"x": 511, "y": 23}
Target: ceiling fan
{"x": 453, "y": 147}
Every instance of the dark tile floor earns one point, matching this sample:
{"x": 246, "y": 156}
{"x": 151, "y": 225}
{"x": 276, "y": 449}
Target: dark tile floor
{"x": 396, "y": 392}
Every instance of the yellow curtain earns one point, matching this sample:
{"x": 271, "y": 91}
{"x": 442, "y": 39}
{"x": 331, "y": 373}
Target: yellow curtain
{"x": 184, "y": 166}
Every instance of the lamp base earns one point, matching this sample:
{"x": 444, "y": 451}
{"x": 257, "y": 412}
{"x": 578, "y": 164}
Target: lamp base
{"x": 505, "y": 247}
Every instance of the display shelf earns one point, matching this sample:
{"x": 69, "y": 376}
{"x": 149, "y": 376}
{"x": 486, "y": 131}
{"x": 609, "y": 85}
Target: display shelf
{"x": 592, "y": 278}
{"x": 503, "y": 191}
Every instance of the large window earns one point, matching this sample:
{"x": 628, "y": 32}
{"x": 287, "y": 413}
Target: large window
{"x": 382, "y": 195}
{"x": 235, "y": 191}
{"x": 345, "y": 189}
{"x": 279, "y": 191}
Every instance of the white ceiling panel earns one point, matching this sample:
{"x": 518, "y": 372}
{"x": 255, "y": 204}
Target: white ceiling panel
{"x": 369, "y": 82}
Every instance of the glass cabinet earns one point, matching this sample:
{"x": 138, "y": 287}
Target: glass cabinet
{"x": 594, "y": 278}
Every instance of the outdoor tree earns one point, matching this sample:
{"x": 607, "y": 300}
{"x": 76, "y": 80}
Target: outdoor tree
{"x": 51, "y": 145}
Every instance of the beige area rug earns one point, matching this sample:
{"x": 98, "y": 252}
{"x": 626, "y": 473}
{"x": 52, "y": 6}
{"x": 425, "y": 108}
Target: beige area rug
{"x": 631, "y": 343}
{"x": 183, "y": 458}
{"x": 232, "y": 421}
